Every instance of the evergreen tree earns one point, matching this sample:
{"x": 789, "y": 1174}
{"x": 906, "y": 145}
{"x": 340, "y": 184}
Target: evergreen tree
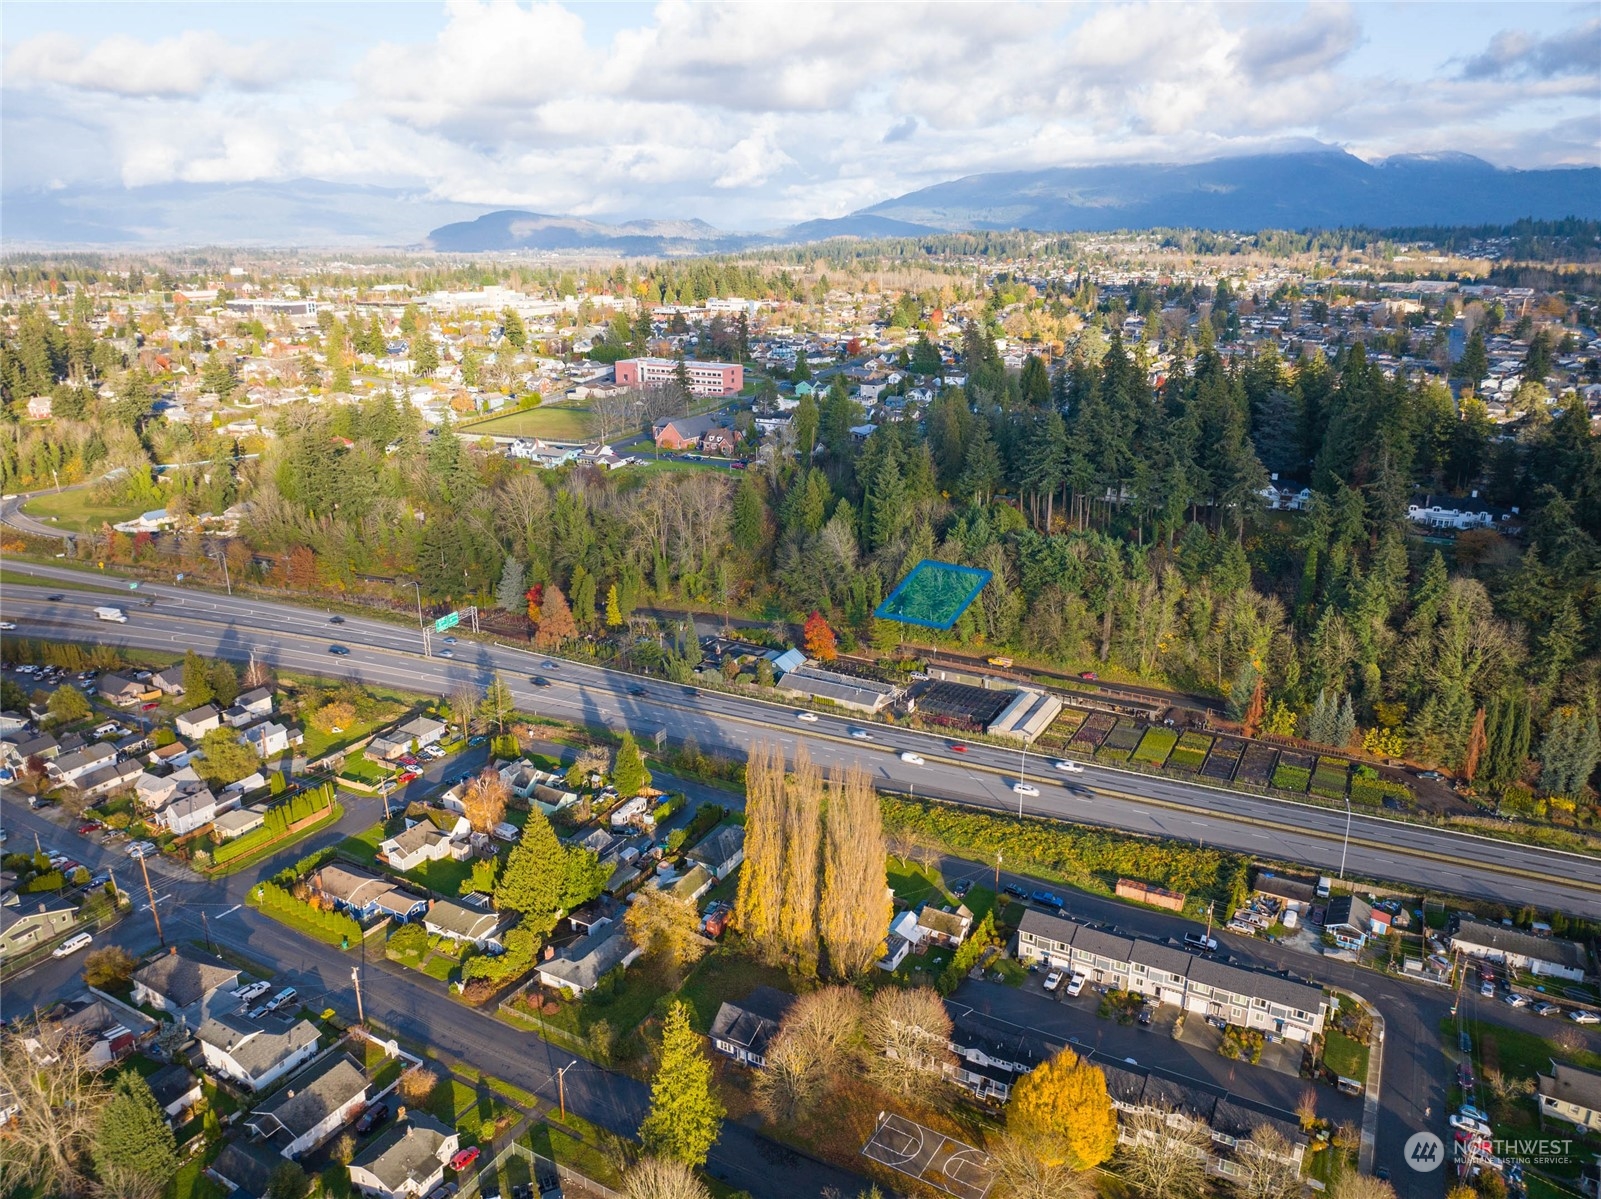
{"x": 614, "y": 608}
{"x": 510, "y": 592}
{"x": 1474, "y": 364}
{"x": 514, "y": 331}
{"x": 498, "y": 705}
{"x": 133, "y": 1147}
{"x": 583, "y": 597}
{"x": 1344, "y": 727}
{"x": 534, "y": 875}
{"x": 628, "y": 774}
{"x": 224, "y": 680}
{"x": 750, "y": 515}
{"x": 196, "y": 680}
{"x": 424, "y": 355}
{"x": 685, "y": 1116}
{"x": 1569, "y": 750}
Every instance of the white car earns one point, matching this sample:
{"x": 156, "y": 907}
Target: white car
{"x": 1076, "y": 984}
{"x": 806, "y": 717}
{"x": 1515, "y": 1000}
{"x": 8, "y": 625}
{"x": 1025, "y": 788}
{"x": 1473, "y": 1113}
{"x": 861, "y": 735}
{"x": 71, "y": 946}
{"x": 141, "y": 849}
{"x": 914, "y": 759}
{"x": 246, "y": 993}
{"x": 1581, "y": 1015}
{"x": 1070, "y": 767}
{"x": 1053, "y": 980}
{"x": 1470, "y": 1124}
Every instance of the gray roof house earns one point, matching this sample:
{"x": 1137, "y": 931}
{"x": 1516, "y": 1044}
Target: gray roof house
{"x": 311, "y": 1106}
{"x": 198, "y": 721}
{"x": 179, "y": 983}
{"x": 175, "y": 1088}
{"x": 1547, "y": 956}
{"x": 25, "y": 926}
{"x": 720, "y": 851}
{"x": 407, "y": 1161}
{"x": 581, "y": 965}
{"x": 256, "y": 1053}
{"x": 445, "y": 918}
{"x": 744, "y": 1029}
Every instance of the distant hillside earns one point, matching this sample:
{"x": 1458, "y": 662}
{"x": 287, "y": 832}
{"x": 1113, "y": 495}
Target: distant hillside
{"x": 1321, "y": 188}
{"x": 511, "y": 229}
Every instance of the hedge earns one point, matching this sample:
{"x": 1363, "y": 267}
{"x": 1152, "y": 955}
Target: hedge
{"x": 279, "y": 820}
{"x": 331, "y": 928}
{"x": 1095, "y": 858}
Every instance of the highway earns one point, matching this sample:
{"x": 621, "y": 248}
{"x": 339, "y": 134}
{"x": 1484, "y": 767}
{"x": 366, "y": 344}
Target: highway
{"x": 297, "y": 638}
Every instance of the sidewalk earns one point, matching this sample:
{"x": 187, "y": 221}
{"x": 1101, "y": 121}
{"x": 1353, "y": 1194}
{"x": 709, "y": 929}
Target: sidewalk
{"x": 1370, "y": 1085}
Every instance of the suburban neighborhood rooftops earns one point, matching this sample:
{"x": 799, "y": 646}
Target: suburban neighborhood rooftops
{"x": 184, "y": 979}
{"x": 1571, "y": 1084}
{"x": 256, "y": 1045}
{"x": 1519, "y": 943}
{"x": 408, "y": 1152}
{"x": 307, "y": 1098}
{"x": 462, "y": 921}
{"x": 752, "y": 1022}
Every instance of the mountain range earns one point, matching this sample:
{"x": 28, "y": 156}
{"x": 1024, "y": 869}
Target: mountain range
{"x": 1319, "y": 188}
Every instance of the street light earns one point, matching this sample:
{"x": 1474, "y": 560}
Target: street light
{"x": 1347, "y": 843}
{"x": 418, "y": 587}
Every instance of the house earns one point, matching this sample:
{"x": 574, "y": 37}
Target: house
{"x": 1294, "y": 894}
{"x": 1349, "y": 920}
{"x": 416, "y": 733}
{"x": 720, "y": 851}
{"x": 743, "y": 1030}
{"x": 71, "y": 767}
{"x": 366, "y": 896}
{"x": 407, "y": 1161}
{"x": 1248, "y": 998}
{"x": 108, "y": 779}
{"x": 256, "y": 1053}
{"x": 1455, "y": 514}
{"x": 938, "y": 927}
{"x": 179, "y": 983}
{"x": 846, "y": 691}
{"x": 990, "y": 1058}
{"x": 1548, "y": 957}
{"x": 197, "y": 722}
{"x": 896, "y": 947}
{"x": 270, "y": 739}
{"x": 176, "y": 1089}
{"x": 18, "y": 750}
{"x": 245, "y": 1167}
{"x": 120, "y": 690}
{"x": 252, "y": 705}
{"x": 462, "y": 924}
{"x": 683, "y": 432}
{"x": 188, "y": 812}
{"x": 169, "y": 681}
{"x": 420, "y": 843}
{"x": 174, "y": 754}
{"x": 311, "y": 1106}
{"x": 25, "y": 926}
{"x": 1572, "y": 1094}
{"x": 239, "y": 822}
{"x": 581, "y": 964}
{"x": 718, "y": 441}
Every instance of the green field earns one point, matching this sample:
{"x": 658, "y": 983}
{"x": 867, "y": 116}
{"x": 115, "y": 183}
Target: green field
{"x": 77, "y": 511}
{"x": 558, "y": 423}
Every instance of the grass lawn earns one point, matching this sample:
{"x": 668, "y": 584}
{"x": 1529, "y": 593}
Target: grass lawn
{"x": 552, "y": 1141}
{"x": 625, "y": 1005}
{"x": 1523, "y": 1054}
{"x": 1345, "y": 1056}
{"x": 78, "y": 511}
{"x": 726, "y": 974}
{"x": 555, "y": 422}
{"x": 1013, "y": 973}
{"x": 981, "y": 902}
{"x": 914, "y": 884}
{"x": 444, "y": 876}
{"x": 358, "y": 768}
{"x": 319, "y": 744}
{"x": 472, "y": 1111}
{"x": 190, "y": 1182}
{"x": 439, "y": 967}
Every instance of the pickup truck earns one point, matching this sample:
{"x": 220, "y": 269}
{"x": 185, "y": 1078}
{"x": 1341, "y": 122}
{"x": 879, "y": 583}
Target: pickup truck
{"x": 116, "y": 614}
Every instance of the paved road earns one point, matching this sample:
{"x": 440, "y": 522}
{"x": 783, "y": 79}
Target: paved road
{"x": 298, "y": 638}
{"x": 404, "y": 1001}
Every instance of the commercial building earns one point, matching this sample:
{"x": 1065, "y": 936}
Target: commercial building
{"x": 705, "y": 378}
{"x": 1248, "y": 998}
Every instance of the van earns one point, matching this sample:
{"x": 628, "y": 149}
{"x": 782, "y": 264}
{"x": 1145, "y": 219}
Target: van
{"x": 71, "y": 945}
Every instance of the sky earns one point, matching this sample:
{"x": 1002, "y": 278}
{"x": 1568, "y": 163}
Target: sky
{"x": 750, "y": 116}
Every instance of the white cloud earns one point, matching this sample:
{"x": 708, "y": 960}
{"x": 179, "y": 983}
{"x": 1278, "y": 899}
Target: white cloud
{"x": 188, "y": 64}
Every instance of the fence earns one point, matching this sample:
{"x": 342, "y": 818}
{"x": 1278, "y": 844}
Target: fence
{"x": 573, "y": 1183}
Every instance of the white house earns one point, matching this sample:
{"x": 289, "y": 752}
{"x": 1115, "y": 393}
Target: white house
{"x": 270, "y": 739}
{"x": 188, "y": 812}
{"x": 198, "y": 721}
{"x": 420, "y": 731}
{"x": 720, "y": 851}
{"x": 252, "y": 705}
{"x": 420, "y": 843}
{"x": 311, "y": 1106}
{"x": 1549, "y": 957}
{"x": 407, "y": 1161}
{"x": 180, "y": 983}
{"x": 153, "y": 790}
{"x": 69, "y": 768}
{"x": 256, "y": 1053}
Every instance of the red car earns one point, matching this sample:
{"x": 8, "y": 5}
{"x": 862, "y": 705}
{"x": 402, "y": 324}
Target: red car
{"x": 464, "y": 1158}
{"x": 957, "y": 749}
{"x": 403, "y": 779}
{"x": 1087, "y": 674}
{"x": 148, "y": 707}
{"x": 87, "y": 827}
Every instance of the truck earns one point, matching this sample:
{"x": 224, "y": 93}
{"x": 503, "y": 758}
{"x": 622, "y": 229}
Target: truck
{"x": 116, "y": 614}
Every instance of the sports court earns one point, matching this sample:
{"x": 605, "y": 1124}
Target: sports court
{"x": 931, "y": 1157}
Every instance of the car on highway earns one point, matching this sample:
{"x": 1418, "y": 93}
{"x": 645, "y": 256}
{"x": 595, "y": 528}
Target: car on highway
{"x": 339, "y": 651}
{"x": 464, "y": 1158}
{"x": 7, "y": 625}
{"x": 1088, "y": 674}
{"x": 1546, "y": 1008}
{"x": 1025, "y": 788}
{"x": 336, "y": 620}
{"x": 372, "y": 1118}
{"x": 55, "y": 599}
{"x": 636, "y": 692}
{"x": 1581, "y": 1015}
{"x": 914, "y": 759}
{"x": 446, "y": 653}
{"x": 956, "y": 749}
{"x": 450, "y": 641}
{"x": 692, "y": 692}
{"x": 1053, "y": 980}
{"x": 1076, "y": 984}
{"x": 1069, "y": 767}
{"x": 806, "y": 717}
{"x": 539, "y": 680}
{"x": 861, "y": 735}
{"x": 71, "y": 946}
{"x": 548, "y": 664}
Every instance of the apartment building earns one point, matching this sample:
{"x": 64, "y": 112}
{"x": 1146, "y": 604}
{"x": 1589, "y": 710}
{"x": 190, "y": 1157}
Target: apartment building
{"x": 1247, "y": 998}
{"x": 705, "y": 378}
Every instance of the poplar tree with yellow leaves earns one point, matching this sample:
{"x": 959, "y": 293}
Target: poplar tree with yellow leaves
{"x": 756, "y": 907}
{"x": 802, "y": 835}
{"x": 855, "y": 908}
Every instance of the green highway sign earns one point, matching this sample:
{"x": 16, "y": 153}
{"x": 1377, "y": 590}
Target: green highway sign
{"x": 447, "y": 622}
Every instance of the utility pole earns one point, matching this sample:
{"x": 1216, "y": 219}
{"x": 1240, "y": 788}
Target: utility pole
{"x": 997, "y": 872}
{"x": 561, "y": 1087}
{"x": 149, "y": 891}
{"x": 227, "y": 581}
{"x": 206, "y": 921}
{"x": 355, "y": 977}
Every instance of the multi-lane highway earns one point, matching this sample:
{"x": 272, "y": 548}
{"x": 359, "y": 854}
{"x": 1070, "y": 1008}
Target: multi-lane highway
{"x": 298, "y": 638}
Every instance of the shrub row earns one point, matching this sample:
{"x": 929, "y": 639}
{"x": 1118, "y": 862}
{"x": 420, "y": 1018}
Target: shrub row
{"x": 329, "y": 927}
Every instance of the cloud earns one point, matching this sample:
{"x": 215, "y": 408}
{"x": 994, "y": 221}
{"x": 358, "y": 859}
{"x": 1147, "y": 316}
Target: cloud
{"x": 1513, "y": 54}
{"x": 188, "y": 64}
{"x": 1318, "y": 41}
{"x": 901, "y": 130}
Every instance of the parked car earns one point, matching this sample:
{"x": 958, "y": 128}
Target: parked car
{"x": 71, "y": 946}
{"x": 283, "y": 999}
{"x": 1473, "y": 1113}
{"x": 1546, "y": 1008}
{"x": 141, "y": 849}
{"x": 1487, "y": 988}
{"x": 1513, "y": 999}
{"x": 1470, "y": 1124}
{"x": 1581, "y": 1015}
{"x": 961, "y": 889}
{"x": 464, "y": 1158}
{"x": 249, "y": 992}
{"x": 405, "y": 777}
{"x": 372, "y": 1118}
{"x": 1053, "y": 980}
{"x": 476, "y": 740}
{"x": 89, "y": 826}
{"x": 1014, "y": 890}
{"x": 1046, "y": 899}
{"x": 100, "y": 879}
{"x": 1200, "y": 943}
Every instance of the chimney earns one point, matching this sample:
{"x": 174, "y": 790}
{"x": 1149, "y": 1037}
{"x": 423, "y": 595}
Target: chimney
{"x": 172, "y": 950}
{"x": 290, "y": 1094}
